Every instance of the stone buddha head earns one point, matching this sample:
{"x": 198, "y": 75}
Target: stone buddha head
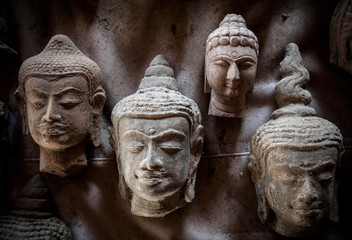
{"x": 294, "y": 158}
{"x": 61, "y": 101}
{"x": 231, "y": 58}
{"x": 341, "y": 36}
{"x": 157, "y": 136}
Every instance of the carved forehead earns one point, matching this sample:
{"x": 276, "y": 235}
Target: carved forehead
{"x": 303, "y": 159}
{"x": 154, "y": 126}
{"x": 57, "y": 83}
{"x": 232, "y": 51}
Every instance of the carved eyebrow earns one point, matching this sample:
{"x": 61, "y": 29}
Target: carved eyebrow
{"x": 38, "y": 91}
{"x": 170, "y": 132}
{"x": 315, "y": 167}
{"x": 132, "y": 133}
{"x": 166, "y": 133}
{"x": 68, "y": 89}
{"x": 241, "y": 58}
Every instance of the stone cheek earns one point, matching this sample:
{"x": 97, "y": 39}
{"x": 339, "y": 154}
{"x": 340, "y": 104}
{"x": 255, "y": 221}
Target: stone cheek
{"x": 157, "y": 137}
{"x": 299, "y": 188}
{"x": 230, "y": 67}
{"x": 61, "y": 109}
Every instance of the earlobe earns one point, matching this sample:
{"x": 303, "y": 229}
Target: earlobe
{"x": 112, "y": 138}
{"x": 98, "y": 100}
{"x": 207, "y": 88}
{"x": 263, "y": 206}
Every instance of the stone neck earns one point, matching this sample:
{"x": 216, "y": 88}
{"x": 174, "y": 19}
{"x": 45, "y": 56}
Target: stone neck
{"x": 290, "y": 230}
{"x": 227, "y": 106}
{"x": 146, "y": 208}
{"x": 63, "y": 162}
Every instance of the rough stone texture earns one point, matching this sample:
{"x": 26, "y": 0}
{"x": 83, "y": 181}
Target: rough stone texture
{"x": 32, "y": 217}
{"x": 341, "y": 36}
{"x": 61, "y": 100}
{"x": 158, "y": 140}
{"x": 231, "y": 58}
{"x": 294, "y": 158}
{"x": 123, "y": 37}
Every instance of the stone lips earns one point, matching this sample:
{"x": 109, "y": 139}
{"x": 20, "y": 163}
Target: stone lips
{"x": 232, "y": 30}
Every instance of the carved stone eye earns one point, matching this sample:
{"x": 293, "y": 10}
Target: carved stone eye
{"x": 221, "y": 63}
{"x": 38, "y": 104}
{"x": 135, "y": 147}
{"x": 170, "y": 149}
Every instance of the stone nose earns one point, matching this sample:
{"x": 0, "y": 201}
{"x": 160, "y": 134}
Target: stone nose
{"x": 51, "y": 114}
{"x": 152, "y": 161}
{"x": 233, "y": 72}
{"x": 307, "y": 194}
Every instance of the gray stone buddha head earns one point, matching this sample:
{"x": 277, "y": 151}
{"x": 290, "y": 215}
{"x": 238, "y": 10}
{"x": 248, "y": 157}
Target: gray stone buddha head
{"x": 231, "y": 58}
{"x": 341, "y": 36}
{"x": 61, "y": 100}
{"x": 294, "y": 158}
{"x": 157, "y": 136}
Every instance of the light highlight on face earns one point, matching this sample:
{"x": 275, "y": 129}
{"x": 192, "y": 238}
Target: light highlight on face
{"x": 154, "y": 155}
{"x": 58, "y": 110}
{"x": 299, "y": 185}
{"x": 230, "y": 71}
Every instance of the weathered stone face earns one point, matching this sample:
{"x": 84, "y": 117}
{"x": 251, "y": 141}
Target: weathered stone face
{"x": 231, "y": 71}
{"x": 230, "y": 66}
{"x": 155, "y": 155}
{"x": 61, "y": 100}
{"x": 299, "y": 184}
{"x": 341, "y": 36}
{"x": 294, "y": 157}
{"x": 158, "y": 138}
{"x": 58, "y": 110}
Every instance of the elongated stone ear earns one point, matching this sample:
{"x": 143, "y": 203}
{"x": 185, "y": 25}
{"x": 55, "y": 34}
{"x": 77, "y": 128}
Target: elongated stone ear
{"x": 97, "y": 101}
{"x": 196, "y": 152}
{"x": 263, "y": 206}
{"x": 21, "y": 102}
{"x": 112, "y": 139}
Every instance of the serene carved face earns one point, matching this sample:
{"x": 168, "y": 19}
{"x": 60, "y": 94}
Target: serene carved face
{"x": 299, "y": 185}
{"x": 154, "y": 155}
{"x": 230, "y": 71}
{"x": 58, "y": 110}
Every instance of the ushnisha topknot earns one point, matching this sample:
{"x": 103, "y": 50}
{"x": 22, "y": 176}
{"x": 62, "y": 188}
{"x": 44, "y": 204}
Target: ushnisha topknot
{"x": 294, "y": 125}
{"x": 232, "y": 31}
{"x": 157, "y": 97}
{"x": 60, "y": 57}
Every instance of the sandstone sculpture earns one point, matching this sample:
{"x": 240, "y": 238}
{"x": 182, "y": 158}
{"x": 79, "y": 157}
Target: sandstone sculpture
{"x": 61, "y": 100}
{"x": 32, "y": 216}
{"x": 341, "y": 36}
{"x": 294, "y": 158}
{"x": 158, "y": 138}
{"x": 231, "y": 58}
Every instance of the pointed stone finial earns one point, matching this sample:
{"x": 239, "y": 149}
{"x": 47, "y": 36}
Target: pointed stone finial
{"x": 294, "y": 77}
{"x": 159, "y": 74}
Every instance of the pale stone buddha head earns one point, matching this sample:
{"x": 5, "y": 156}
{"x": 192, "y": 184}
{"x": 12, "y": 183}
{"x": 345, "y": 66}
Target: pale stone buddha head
{"x": 294, "y": 158}
{"x": 61, "y": 100}
{"x": 157, "y": 136}
{"x": 231, "y": 58}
